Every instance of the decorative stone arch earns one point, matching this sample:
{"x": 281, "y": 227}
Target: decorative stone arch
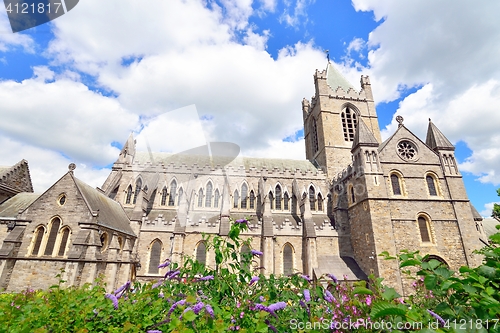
{"x": 154, "y": 249}
{"x": 433, "y": 185}
{"x": 288, "y": 259}
{"x": 63, "y": 240}
{"x": 425, "y": 228}
{"x": 36, "y": 241}
{"x": 397, "y": 183}
{"x": 105, "y": 240}
{"x": 53, "y": 228}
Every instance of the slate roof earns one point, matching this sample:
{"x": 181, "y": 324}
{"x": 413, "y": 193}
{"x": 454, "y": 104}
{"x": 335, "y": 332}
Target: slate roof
{"x": 10, "y": 208}
{"x": 364, "y": 136}
{"x": 489, "y": 225}
{"x": 111, "y": 213}
{"x": 475, "y": 213}
{"x": 436, "y": 139}
{"x": 335, "y": 79}
{"x": 246, "y": 162}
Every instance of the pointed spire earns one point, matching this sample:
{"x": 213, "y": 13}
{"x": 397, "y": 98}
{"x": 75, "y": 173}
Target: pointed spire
{"x": 364, "y": 136}
{"x": 128, "y": 151}
{"x": 335, "y": 79}
{"x": 436, "y": 139}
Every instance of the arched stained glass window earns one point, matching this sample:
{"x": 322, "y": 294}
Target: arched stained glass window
{"x": 138, "y": 186}
{"x": 277, "y": 192}
{"x": 64, "y": 242}
{"x": 164, "y": 196}
{"x": 312, "y": 198}
{"x": 201, "y": 253}
{"x": 286, "y": 200}
{"x": 154, "y": 257}
{"x": 252, "y": 200}
{"x": 236, "y": 199}
{"x": 173, "y": 190}
{"x": 38, "y": 240}
{"x": 320, "y": 202}
{"x": 271, "y": 200}
{"x": 287, "y": 259}
{"x": 217, "y": 198}
{"x": 244, "y": 195}
{"x": 129, "y": 195}
{"x": 424, "y": 229}
{"x": 208, "y": 196}
{"x": 396, "y": 185}
{"x": 51, "y": 242}
{"x": 200, "y": 198}
{"x": 431, "y": 185}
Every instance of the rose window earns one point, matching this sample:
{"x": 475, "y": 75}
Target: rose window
{"x": 407, "y": 150}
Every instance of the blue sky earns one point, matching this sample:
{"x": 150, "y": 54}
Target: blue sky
{"x": 73, "y": 89}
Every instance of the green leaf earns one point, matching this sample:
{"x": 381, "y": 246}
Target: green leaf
{"x": 411, "y": 262}
{"x": 261, "y": 327}
{"x": 382, "y": 308}
{"x": 189, "y": 315}
{"x": 430, "y": 281}
{"x": 390, "y": 293}
{"x": 444, "y": 272}
{"x": 362, "y": 291}
{"x": 487, "y": 271}
{"x": 469, "y": 289}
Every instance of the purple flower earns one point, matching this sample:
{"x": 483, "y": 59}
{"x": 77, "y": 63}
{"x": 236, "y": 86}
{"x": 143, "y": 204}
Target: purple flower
{"x": 122, "y": 288}
{"x": 197, "y": 307}
{"x": 331, "y": 276}
{"x": 260, "y": 307}
{"x": 209, "y": 310}
{"x": 161, "y": 295}
{"x": 241, "y": 221}
{"x": 435, "y": 315}
{"x": 165, "y": 264}
{"x": 157, "y": 284}
{"x": 277, "y": 306}
{"x": 271, "y": 327}
{"x": 306, "y": 277}
{"x": 253, "y": 280}
{"x": 329, "y": 297}
{"x": 307, "y": 295}
{"x": 262, "y": 299}
{"x": 113, "y": 299}
{"x": 171, "y": 274}
{"x": 176, "y": 304}
{"x": 256, "y": 253}
{"x": 206, "y": 278}
{"x": 154, "y": 331}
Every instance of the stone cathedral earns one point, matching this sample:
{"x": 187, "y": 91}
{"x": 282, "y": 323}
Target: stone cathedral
{"x": 352, "y": 199}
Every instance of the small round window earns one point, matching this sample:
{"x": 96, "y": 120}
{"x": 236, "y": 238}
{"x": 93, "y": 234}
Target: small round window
{"x": 62, "y": 199}
{"x": 407, "y": 150}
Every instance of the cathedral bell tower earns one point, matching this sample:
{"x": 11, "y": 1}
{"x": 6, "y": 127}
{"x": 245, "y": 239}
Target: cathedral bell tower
{"x": 331, "y": 118}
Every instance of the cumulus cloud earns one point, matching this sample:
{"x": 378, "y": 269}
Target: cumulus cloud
{"x": 9, "y": 40}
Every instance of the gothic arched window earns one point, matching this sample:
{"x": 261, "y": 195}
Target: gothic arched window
{"x": 38, "y": 240}
{"x": 312, "y": 198}
{"x": 138, "y": 186}
{"x": 286, "y": 200}
{"x": 51, "y": 242}
{"x": 181, "y": 192}
{"x": 216, "y": 198}
{"x": 200, "y": 198}
{"x": 349, "y": 123}
{"x": 201, "y": 253}
{"x": 164, "y": 196}
{"x": 64, "y": 241}
{"x": 320, "y": 202}
{"x": 173, "y": 189}
{"x": 314, "y": 136}
{"x": 271, "y": 200}
{"x": 236, "y": 198}
{"x": 252, "y": 200}
{"x": 396, "y": 184}
{"x": 208, "y": 197}
{"x": 431, "y": 185}
{"x": 277, "y": 192}
{"x": 154, "y": 257}
{"x": 129, "y": 195}
{"x": 244, "y": 195}
{"x": 423, "y": 225}
{"x": 287, "y": 259}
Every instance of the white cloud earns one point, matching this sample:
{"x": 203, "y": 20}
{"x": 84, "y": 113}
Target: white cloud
{"x": 488, "y": 208}
{"x": 9, "y": 39}
{"x": 295, "y": 14}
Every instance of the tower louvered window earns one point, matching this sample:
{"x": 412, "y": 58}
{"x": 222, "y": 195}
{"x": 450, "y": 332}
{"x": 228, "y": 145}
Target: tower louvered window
{"x": 208, "y": 197}
{"x": 244, "y": 194}
{"x": 51, "y": 242}
{"x": 349, "y": 123}
{"x": 173, "y": 190}
{"x": 154, "y": 257}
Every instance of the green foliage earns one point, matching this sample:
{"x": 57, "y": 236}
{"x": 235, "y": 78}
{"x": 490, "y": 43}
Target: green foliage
{"x": 197, "y": 298}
